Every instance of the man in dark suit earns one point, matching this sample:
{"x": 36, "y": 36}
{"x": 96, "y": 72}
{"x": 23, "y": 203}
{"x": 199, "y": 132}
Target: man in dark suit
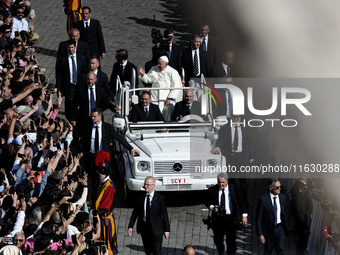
{"x": 228, "y": 212}
{"x": 208, "y": 43}
{"x": 195, "y": 61}
{"x": 301, "y": 207}
{"x": 152, "y": 218}
{"x": 174, "y": 51}
{"x": 89, "y": 97}
{"x": 226, "y": 108}
{"x": 123, "y": 68}
{"x": 102, "y": 79}
{"x": 71, "y": 69}
{"x": 146, "y": 111}
{"x": 223, "y": 68}
{"x": 91, "y": 33}
{"x": 186, "y": 106}
{"x": 97, "y": 137}
{"x": 82, "y": 47}
{"x": 271, "y": 219}
{"x": 235, "y": 144}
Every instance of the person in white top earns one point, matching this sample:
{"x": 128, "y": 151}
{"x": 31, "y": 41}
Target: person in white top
{"x": 163, "y": 76}
{"x": 19, "y": 23}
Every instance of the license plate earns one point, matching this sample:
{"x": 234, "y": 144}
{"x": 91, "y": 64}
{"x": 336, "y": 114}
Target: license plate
{"x": 177, "y": 180}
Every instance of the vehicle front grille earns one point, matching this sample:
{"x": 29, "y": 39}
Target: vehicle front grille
{"x": 167, "y": 167}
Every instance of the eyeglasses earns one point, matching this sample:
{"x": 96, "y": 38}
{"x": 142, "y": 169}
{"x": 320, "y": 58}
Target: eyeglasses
{"x": 145, "y": 184}
{"x": 278, "y": 187}
{"x": 18, "y": 240}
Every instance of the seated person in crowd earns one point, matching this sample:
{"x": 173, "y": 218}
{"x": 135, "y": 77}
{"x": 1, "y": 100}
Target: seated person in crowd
{"x": 186, "y": 106}
{"x": 146, "y": 111}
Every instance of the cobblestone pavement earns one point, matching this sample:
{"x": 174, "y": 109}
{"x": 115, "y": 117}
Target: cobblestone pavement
{"x": 127, "y": 24}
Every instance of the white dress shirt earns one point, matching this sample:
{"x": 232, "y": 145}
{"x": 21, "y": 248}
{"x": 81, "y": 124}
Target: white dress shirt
{"x": 193, "y": 59}
{"x": 278, "y": 211}
{"x": 71, "y": 67}
{"x": 150, "y": 198}
{"x": 89, "y": 96}
{"x": 206, "y": 41}
{"x": 239, "y": 132}
{"x": 93, "y": 135}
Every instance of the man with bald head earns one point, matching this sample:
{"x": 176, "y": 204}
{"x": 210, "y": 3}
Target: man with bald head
{"x": 188, "y": 250}
{"x": 81, "y": 47}
{"x": 90, "y": 97}
{"x": 165, "y": 77}
{"x": 186, "y": 106}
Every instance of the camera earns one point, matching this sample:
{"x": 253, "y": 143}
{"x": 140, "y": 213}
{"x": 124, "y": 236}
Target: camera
{"x": 157, "y": 37}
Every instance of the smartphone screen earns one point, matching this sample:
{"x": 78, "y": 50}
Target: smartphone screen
{"x": 103, "y": 249}
{"x": 74, "y": 239}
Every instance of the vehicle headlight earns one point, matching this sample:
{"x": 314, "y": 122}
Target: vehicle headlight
{"x": 143, "y": 166}
{"x": 212, "y": 162}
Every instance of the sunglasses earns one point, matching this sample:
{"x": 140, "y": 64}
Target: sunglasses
{"x": 18, "y": 240}
{"x": 20, "y": 12}
{"x": 278, "y": 187}
{"x": 6, "y": 32}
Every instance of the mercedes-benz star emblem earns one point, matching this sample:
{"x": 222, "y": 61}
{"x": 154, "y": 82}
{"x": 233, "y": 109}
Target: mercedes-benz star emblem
{"x": 177, "y": 167}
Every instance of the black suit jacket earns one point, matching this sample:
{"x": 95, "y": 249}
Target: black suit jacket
{"x": 181, "y": 108}
{"x": 138, "y": 114}
{"x": 175, "y": 60}
{"x": 108, "y": 134}
{"x": 82, "y": 101}
{"x": 212, "y": 54}
{"x": 127, "y": 75}
{"x": 93, "y": 36}
{"x": 82, "y": 49}
{"x": 102, "y": 81}
{"x": 238, "y": 206}
{"x": 187, "y": 63}
{"x": 224, "y": 142}
{"x": 63, "y": 78}
{"x": 158, "y": 215}
{"x": 218, "y": 71}
{"x": 265, "y": 217}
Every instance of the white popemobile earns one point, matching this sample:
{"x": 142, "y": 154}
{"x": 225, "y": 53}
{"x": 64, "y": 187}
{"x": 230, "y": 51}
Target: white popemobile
{"x": 177, "y": 154}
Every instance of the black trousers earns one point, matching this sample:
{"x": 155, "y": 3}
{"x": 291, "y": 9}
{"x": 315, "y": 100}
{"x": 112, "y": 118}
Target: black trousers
{"x": 152, "y": 243}
{"x": 225, "y": 226}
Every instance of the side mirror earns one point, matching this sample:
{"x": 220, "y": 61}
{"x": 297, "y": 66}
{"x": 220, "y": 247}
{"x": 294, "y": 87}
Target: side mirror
{"x": 119, "y": 123}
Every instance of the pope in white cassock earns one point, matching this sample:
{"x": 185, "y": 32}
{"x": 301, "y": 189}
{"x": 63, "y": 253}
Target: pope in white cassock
{"x": 163, "y": 76}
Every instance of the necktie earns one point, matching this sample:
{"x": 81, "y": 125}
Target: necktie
{"x": 96, "y": 140}
{"x": 146, "y": 112}
{"x": 235, "y": 145}
{"x": 228, "y": 70}
{"x": 74, "y": 70}
{"x": 230, "y": 104}
{"x": 147, "y": 210}
{"x": 86, "y": 25}
{"x": 204, "y": 44}
{"x": 275, "y": 211}
{"x": 222, "y": 199}
{"x": 169, "y": 53}
{"x": 195, "y": 64}
{"x": 92, "y": 99}
{"x": 121, "y": 71}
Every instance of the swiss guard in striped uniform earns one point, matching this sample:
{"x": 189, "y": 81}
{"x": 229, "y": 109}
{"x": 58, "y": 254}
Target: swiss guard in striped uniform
{"x": 72, "y": 8}
{"x": 103, "y": 201}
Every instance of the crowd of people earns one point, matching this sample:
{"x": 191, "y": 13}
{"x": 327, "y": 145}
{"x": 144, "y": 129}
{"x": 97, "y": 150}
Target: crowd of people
{"x": 57, "y": 196}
